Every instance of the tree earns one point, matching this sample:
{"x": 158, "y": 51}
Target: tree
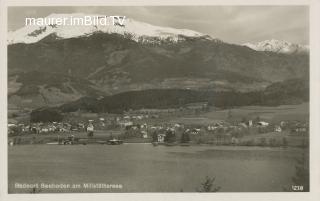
{"x": 16, "y": 130}
{"x": 263, "y": 141}
{"x": 154, "y": 136}
{"x": 244, "y": 120}
{"x": 208, "y": 185}
{"x": 45, "y": 115}
{"x": 257, "y": 119}
{"x": 273, "y": 142}
{"x": 90, "y": 134}
{"x": 284, "y": 142}
{"x": 170, "y": 136}
{"x": 35, "y": 190}
{"x": 229, "y": 115}
{"x": 185, "y": 137}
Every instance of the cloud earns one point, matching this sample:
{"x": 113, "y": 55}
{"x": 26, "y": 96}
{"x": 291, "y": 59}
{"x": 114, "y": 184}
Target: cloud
{"x": 235, "y": 24}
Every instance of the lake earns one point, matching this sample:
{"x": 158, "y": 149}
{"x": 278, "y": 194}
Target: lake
{"x": 145, "y": 168}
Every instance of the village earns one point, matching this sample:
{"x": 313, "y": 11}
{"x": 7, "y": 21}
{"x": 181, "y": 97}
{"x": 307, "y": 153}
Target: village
{"x": 150, "y": 126}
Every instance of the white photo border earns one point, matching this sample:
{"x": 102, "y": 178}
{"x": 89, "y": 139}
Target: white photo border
{"x": 313, "y": 195}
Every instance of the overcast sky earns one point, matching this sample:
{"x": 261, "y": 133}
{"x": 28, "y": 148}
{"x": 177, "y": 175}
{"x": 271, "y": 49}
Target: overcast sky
{"x": 233, "y": 24}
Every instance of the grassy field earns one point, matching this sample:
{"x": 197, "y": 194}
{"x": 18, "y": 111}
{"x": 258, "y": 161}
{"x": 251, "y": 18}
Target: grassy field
{"x": 271, "y": 114}
{"x": 291, "y": 140}
{"x": 53, "y": 137}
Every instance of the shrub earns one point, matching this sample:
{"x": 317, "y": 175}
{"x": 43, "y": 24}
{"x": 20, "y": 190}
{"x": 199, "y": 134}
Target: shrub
{"x": 273, "y": 142}
{"x": 263, "y": 142}
{"x": 208, "y": 185}
{"x": 284, "y": 142}
{"x": 185, "y": 137}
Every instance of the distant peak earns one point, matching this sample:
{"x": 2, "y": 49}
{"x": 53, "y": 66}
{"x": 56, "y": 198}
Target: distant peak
{"x": 140, "y": 31}
{"x": 278, "y": 46}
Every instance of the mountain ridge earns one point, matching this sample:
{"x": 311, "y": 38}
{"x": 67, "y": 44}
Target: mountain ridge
{"x": 111, "y": 63}
{"x": 139, "y": 31}
{"x": 294, "y": 91}
{"x": 135, "y": 30}
{"x": 278, "y": 46}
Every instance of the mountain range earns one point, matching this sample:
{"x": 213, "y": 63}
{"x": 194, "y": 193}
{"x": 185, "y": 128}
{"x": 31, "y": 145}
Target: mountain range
{"x": 278, "y": 46}
{"x": 138, "y": 31}
{"x": 53, "y": 65}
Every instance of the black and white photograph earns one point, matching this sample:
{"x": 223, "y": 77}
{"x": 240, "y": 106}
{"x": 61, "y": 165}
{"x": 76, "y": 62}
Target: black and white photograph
{"x": 158, "y": 99}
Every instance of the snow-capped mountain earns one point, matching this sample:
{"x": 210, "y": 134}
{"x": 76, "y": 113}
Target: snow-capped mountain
{"x": 278, "y": 46}
{"x": 138, "y": 31}
{"x": 91, "y": 61}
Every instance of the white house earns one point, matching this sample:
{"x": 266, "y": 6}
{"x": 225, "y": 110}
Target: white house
{"x": 263, "y": 123}
{"x": 161, "y": 137}
{"x": 90, "y": 128}
{"x": 277, "y": 129}
{"x": 144, "y": 134}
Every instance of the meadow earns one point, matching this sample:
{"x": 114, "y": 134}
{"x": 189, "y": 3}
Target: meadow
{"x": 298, "y": 112}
